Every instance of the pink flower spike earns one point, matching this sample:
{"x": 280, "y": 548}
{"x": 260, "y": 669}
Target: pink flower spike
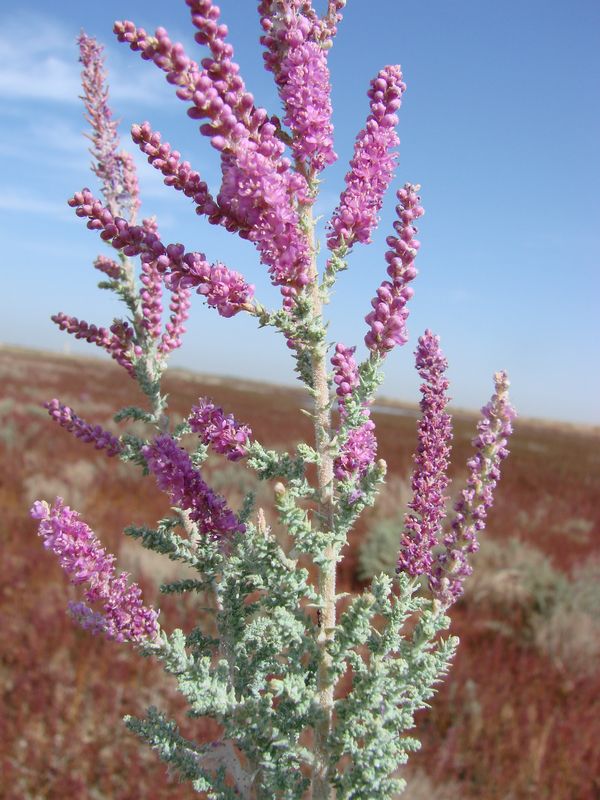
{"x": 429, "y": 480}
{"x": 114, "y": 168}
{"x": 123, "y": 617}
{"x": 216, "y": 91}
{"x": 259, "y": 202}
{"x": 373, "y": 164}
{"x": 235, "y": 116}
{"x": 306, "y": 94}
{"x": 176, "y": 475}
{"x": 332, "y": 19}
{"x": 177, "y": 173}
{"x": 150, "y": 296}
{"x": 67, "y": 419}
{"x": 131, "y": 185}
{"x": 289, "y": 22}
{"x": 387, "y": 320}
{"x": 118, "y": 341}
{"x": 108, "y": 267}
{"x": 345, "y": 374}
{"x": 298, "y": 61}
{"x": 179, "y": 307}
{"x": 493, "y": 429}
{"x": 358, "y": 452}
{"x": 259, "y": 191}
{"x": 181, "y": 71}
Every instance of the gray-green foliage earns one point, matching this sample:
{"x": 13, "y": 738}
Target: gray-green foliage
{"x": 257, "y": 675}
{"x": 393, "y": 676}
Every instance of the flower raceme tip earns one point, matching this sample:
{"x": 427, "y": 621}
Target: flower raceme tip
{"x": 124, "y": 617}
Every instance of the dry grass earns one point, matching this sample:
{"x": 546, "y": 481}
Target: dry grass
{"x": 421, "y": 787}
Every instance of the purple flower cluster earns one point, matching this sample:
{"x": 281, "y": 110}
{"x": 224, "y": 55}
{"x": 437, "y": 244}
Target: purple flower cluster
{"x": 114, "y": 168}
{"x": 108, "y": 267}
{"x": 175, "y": 328}
{"x": 494, "y": 428}
{"x": 345, "y": 375}
{"x": 66, "y": 418}
{"x": 429, "y": 480}
{"x": 118, "y": 341}
{"x": 216, "y": 92}
{"x": 259, "y": 191}
{"x": 258, "y": 201}
{"x": 306, "y": 95}
{"x": 372, "y": 166}
{"x": 150, "y": 225}
{"x": 220, "y": 430}
{"x": 276, "y": 19}
{"x": 358, "y": 451}
{"x": 130, "y": 184}
{"x": 175, "y": 474}
{"x": 237, "y": 116}
{"x": 105, "y": 140}
{"x": 277, "y": 15}
{"x": 387, "y": 320}
{"x": 223, "y": 288}
{"x": 177, "y": 173}
{"x": 150, "y": 297}
{"x": 298, "y": 60}
{"x": 124, "y": 617}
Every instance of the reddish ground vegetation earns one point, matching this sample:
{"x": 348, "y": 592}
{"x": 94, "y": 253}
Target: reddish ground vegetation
{"x": 512, "y": 721}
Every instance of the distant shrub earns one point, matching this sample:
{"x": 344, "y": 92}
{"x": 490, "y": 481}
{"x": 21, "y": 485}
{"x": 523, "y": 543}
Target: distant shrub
{"x": 73, "y": 481}
{"x": 570, "y": 635}
{"x": 533, "y": 601}
{"x": 378, "y": 549}
{"x": 512, "y": 574}
{"x": 554, "y": 515}
{"x": 421, "y": 787}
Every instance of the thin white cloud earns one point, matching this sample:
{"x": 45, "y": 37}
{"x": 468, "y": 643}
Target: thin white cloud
{"x": 14, "y": 200}
{"x": 57, "y": 144}
{"x": 38, "y": 61}
{"x": 50, "y": 79}
{"x": 59, "y": 135}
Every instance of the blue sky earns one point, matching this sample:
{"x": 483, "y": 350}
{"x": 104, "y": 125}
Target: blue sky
{"x": 500, "y": 125}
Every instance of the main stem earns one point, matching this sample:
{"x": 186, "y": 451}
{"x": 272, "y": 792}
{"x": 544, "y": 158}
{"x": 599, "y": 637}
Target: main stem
{"x": 321, "y": 786}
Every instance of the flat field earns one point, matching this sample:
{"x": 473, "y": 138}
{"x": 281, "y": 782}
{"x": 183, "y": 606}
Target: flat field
{"x": 517, "y": 718}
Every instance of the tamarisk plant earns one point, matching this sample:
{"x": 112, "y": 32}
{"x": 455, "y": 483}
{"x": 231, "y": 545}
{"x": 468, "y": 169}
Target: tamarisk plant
{"x": 283, "y": 639}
